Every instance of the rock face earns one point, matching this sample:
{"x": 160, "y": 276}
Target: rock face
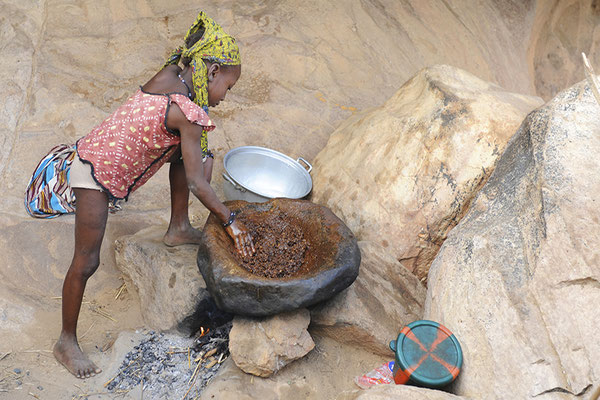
{"x": 67, "y": 64}
{"x": 402, "y": 175}
{"x": 172, "y": 293}
{"x": 263, "y": 346}
{"x": 55, "y": 89}
{"x": 561, "y": 31}
{"x": 331, "y": 262}
{"x": 518, "y": 279}
{"x": 384, "y": 298}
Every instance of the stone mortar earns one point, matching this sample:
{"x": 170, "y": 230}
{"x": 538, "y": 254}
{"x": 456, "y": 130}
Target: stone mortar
{"x": 331, "y": 263}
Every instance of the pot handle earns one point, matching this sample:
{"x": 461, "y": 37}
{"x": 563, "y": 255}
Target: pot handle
{"x": 305, "y": 162}
{"x": 235, "y": 185}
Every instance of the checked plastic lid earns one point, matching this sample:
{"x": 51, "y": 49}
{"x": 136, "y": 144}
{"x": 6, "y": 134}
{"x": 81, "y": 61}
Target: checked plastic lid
{"x": 427, "y": 354}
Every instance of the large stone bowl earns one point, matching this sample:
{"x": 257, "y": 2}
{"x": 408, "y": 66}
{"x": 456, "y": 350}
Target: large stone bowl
{"x": 331, "y": 262}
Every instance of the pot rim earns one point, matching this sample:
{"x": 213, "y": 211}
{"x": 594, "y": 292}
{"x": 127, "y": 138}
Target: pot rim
{"x": 228, "y": 180}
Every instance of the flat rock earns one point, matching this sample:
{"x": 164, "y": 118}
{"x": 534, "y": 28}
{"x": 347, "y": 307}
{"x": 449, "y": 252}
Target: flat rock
{"x": 262, "y": 346}
{"x": 403, "y": 174}
{"x": 172, "y": 292}
{"x": 518, "y": 280}
{"x": 371, "y": 312}
{"x": 393, "y": 391}
{"x": 325, "y": 372}
{"x": 331, "y": 262}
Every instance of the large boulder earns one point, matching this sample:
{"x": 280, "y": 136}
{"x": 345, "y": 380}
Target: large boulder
{"x": 330, "y": 263}
{"x": 518, "y": 280}
{"x": 372, "y": 311}
{"x": 262, "y": 346}
{"x": 403, "y": 174}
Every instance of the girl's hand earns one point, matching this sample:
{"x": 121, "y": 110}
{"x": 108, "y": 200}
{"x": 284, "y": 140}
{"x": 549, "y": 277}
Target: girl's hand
{"x": 241, "y": 238}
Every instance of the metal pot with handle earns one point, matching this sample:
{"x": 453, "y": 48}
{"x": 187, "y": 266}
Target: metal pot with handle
{"x": 258, "y": 174}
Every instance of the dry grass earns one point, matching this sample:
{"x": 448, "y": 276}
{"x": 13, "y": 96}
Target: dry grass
{"x": 86, "y": 395}
{"x": 120, "y": 290}
{"x": 94, "y": 307}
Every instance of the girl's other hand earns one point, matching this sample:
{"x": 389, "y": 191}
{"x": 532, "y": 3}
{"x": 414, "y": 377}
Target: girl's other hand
{"x": 241, "y": 238}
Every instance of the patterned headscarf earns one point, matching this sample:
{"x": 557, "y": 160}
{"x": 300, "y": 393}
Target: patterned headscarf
{"x": 216, "y": 46}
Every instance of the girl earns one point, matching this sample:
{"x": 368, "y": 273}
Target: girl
{"x": 165, "y": 120}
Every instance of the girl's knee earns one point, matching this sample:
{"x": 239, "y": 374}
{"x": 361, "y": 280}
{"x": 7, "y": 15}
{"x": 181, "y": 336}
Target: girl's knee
{"x": 90, "y": 269}
{"x": 85, "y": 266}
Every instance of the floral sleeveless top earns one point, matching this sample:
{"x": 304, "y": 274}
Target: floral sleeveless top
{"x": 134, "y": 142}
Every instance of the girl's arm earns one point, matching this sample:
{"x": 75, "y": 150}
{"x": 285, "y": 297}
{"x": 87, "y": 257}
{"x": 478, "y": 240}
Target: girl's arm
{"x": 208, "y": 168}
{"x": 197, "y": 179}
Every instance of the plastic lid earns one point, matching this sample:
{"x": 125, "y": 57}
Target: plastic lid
{"x": 427, "y": 354}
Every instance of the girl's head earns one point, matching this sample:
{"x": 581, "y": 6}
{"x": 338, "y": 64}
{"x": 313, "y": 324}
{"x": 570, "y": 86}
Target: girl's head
{"x": 214, "y": 58}
{"x": 221, "y": 78}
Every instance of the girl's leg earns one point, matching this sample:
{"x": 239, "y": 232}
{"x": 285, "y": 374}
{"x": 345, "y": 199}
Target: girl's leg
{"x": 90, "y": 222}
{"x": 180, "y": 230}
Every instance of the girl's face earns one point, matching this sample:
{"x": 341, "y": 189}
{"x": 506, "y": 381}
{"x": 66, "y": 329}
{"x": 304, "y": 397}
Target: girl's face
{"x": 220, "y": 80}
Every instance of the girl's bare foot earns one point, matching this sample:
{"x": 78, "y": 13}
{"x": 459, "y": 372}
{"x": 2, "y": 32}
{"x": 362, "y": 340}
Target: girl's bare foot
{"x": 68, "y": 353}
{"x": 179, "y": 236}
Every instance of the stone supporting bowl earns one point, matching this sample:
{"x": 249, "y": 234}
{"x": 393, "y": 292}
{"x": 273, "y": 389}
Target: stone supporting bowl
{"x": 331, "y": 263}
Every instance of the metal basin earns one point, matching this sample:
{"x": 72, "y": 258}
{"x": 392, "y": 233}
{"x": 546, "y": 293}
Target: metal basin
{"x": 258, "y": 174}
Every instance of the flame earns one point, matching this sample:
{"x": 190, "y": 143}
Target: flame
{"x": 203, "y": 332}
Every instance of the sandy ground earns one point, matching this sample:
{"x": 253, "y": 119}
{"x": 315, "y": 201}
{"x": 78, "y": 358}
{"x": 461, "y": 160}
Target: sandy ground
{"x": 30, "y": 371}
{"x": 109, "y": 319}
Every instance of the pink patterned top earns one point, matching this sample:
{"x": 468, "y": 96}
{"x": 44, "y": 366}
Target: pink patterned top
{"x": 134, "y": 142}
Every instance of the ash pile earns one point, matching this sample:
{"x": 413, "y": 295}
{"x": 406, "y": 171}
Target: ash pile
{"x": 170, "y": 366}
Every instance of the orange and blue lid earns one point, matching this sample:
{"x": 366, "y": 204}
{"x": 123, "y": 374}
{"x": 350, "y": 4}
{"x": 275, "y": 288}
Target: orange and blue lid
{"x": 427, "y": 354}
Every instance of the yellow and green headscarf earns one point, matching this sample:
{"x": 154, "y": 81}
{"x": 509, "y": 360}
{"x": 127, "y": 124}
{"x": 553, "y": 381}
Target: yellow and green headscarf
{"x": 216, "y": 46}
